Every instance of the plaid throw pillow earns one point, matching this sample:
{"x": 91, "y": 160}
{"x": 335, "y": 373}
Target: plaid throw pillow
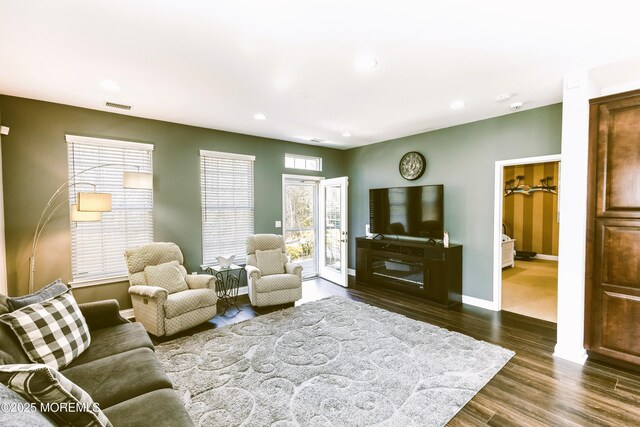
{"x": 54, "y": 394}
{"x": 52, "y": 332}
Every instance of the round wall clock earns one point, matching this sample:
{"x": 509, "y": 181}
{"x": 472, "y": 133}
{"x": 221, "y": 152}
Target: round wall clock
{"x": 412, "y": 165}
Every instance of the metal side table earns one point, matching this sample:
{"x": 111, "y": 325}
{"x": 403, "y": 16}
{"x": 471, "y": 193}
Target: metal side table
{"x": 227, "y": 283}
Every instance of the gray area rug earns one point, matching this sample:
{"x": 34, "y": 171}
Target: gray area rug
{"x": 332, "y": 362}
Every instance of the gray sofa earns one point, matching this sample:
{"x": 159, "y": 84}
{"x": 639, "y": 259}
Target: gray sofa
{"x": 119, "y": 370}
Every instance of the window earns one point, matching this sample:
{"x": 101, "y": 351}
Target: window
{"x": 97, "y": 248}
{"x": 226, "y": 181}
{"x": 297, "y": 161}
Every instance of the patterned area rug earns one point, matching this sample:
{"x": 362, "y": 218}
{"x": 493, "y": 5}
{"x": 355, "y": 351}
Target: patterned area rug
{"x": 332, "y": 362}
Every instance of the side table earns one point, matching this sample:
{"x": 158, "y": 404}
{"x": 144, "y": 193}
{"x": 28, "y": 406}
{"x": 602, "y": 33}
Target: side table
{"x": 227, "y": 283}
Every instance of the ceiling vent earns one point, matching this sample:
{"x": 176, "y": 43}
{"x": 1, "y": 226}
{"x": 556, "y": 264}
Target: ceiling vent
{"x": 516, "y": 106}
{"x": 318, "y": 140}
{"x": 116, "y": 105}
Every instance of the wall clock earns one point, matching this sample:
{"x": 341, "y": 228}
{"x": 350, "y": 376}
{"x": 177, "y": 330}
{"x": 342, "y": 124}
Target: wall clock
{"x": 412, "y": 165}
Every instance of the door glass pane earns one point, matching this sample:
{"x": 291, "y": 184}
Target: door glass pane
{"x": 332, "y": 229}
{"x": 299, "y": 225}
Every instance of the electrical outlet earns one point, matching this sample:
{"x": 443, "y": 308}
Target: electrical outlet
{"x": 278, "y": 224}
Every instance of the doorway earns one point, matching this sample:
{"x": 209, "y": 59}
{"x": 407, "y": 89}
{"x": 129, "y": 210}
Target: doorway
{"x": 314, "y": 210}
{"x": 527, "y": 228}
{"x": 300, "y": 225}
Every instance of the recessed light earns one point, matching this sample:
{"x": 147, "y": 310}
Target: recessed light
{"x": 299, "y": 96}
{"x": 347, "y": 135}
{"x": 457, "y": 105}
{"x": 259, "y": 116}
{"x": 366, "y": 63}
{"x": 110, "y": 85}
{"x": 503, "y": 97}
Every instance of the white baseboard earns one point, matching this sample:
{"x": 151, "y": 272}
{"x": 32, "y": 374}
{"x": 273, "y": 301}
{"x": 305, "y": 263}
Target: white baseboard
{"x": 546, "y": 257}
{"x": 575, "y": 355}
{"x": 243, "y": 290}
{"x": 351, "y": 271}
{"x": 478, "y": 302}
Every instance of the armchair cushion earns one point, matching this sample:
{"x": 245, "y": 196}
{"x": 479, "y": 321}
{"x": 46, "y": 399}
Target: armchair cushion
{"x": 167, "y": 276}
{"x": 189, "y": 300}
{"x": 270, "y": 261}
{"x": 277, "y": 282}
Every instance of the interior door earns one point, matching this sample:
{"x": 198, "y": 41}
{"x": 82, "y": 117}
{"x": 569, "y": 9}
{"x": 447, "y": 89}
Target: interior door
{"x": 334, "y": 237}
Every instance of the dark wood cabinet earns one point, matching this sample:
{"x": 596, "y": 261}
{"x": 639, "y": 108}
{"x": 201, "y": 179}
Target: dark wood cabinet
{"x": 432, "y": 272}
{"x": 612, "y": 312}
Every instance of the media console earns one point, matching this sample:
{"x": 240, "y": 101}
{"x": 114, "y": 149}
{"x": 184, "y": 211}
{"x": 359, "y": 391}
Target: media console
{"x": 432, "y": 272}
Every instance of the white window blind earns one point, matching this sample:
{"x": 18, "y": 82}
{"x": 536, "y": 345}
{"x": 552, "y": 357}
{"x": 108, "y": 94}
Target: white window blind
{"x": 227, "y": 205}
{"x": 97, "y": 248}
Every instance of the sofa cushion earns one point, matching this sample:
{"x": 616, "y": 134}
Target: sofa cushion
{"x": 15, "y": 418}
{"x": 157, "y": 408}
{"x": 49, "y": 291}
{"x": 114, "y": 340}
{"x": 52, "y": 332}
{"x": 189, "y": 300}
{"x": 277, "y": 282}
{"x": 43, "y": 385}
{"x": 167, "y": 276}
{"x": 270, "y": 262}
{"x": 120, "y": 377}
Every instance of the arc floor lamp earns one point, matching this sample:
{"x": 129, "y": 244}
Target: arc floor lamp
{"x": 89, "y": 206}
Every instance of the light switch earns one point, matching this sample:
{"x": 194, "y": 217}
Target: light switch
{"x": 278, "y": 224}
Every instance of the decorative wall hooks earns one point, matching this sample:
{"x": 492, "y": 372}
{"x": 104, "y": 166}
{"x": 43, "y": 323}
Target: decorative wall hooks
{"x": 519, "y": 187}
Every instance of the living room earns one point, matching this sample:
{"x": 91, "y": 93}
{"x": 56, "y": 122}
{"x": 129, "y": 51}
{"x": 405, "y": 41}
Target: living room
{"x": 237, "y": 86}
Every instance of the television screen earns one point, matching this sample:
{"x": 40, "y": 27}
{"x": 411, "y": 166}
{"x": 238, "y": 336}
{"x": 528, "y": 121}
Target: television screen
{"x": 407, "y": 211}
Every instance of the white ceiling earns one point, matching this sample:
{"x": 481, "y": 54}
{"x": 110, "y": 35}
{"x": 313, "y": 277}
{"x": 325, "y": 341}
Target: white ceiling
{"x": 216, "y": 64}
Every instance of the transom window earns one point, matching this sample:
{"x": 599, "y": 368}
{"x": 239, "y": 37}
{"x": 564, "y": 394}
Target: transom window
{"x": 298, "y": 161}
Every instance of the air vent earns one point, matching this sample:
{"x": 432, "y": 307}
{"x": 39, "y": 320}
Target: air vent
{"x": 318, "y": 140}
{"x": 115, "y": 105}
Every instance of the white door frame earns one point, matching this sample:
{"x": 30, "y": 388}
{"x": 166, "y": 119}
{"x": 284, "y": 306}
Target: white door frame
{"x": 497, "y": 219}
{"x": 315, "y": 179}
{"x": 339, "y": 277}
{"x": 3, "y": 254}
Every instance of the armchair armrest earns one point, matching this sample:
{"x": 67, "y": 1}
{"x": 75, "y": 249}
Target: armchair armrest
{"x": 293, "y": 268}
{"x": 253, "y": 272}
{"x": 201, "y": 281}
{"x": 102, "y": 314}
{"x": 154, "y": 292}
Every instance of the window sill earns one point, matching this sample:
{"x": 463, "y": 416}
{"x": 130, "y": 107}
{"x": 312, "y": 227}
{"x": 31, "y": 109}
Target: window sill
{"x": 97, "y": 282}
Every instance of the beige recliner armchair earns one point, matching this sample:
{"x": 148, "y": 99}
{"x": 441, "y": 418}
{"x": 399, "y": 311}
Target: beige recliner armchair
{"x": 272, "y": 279}
{"x": 166, "y": 299}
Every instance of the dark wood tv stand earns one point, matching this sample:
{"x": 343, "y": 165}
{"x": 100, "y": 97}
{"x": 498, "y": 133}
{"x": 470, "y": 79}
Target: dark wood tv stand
{"x": 432, "y": 272}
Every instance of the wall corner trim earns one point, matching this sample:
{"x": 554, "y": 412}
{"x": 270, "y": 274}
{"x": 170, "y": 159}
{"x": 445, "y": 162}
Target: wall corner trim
{"x": 575, "y": 355}
{"x": 478, "y": 302}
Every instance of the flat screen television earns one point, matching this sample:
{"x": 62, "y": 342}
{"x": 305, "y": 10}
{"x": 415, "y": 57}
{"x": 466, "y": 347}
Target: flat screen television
{"x": 407, "y": 211}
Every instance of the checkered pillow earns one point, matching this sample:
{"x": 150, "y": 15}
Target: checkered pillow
{"x": 52, "y": 332}
{"x": 54, "y": 394}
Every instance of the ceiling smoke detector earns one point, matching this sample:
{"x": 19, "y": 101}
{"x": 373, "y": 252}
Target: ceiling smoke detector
{"x": 516, "y": 106}
{"x": 116, "y": 105}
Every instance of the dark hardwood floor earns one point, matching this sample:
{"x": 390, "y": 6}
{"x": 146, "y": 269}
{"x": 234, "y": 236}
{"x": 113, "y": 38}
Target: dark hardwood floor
{"x": 533, "y": 389}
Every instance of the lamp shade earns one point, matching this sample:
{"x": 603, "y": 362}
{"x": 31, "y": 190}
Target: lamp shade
{"x": 141, "y": 180}
{"x": 79, "y": 216}
{"x": 94, "y": 202}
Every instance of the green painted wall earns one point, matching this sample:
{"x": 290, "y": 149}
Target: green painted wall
{"x": 463, "y": 159}
{"x": 35, "y": 164}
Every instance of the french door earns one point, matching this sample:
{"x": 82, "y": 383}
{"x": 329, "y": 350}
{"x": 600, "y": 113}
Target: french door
{"x": 333, "y": 227}
{"x": 300, "y": 228}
